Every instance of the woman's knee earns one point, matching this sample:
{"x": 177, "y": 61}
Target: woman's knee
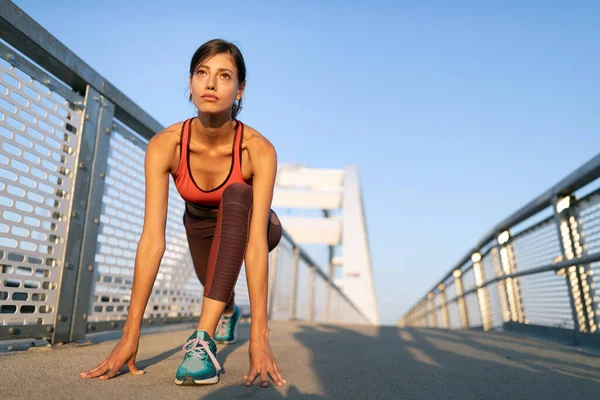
{"x": 274, "y": 231}
{"x": 239, "y": 193}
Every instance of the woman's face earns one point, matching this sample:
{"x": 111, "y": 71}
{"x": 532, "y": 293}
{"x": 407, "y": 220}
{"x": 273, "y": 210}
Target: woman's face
{"x": 214, "y": 85}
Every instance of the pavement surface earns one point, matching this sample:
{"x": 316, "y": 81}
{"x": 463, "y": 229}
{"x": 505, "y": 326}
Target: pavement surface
{"x": 321, "y": 362}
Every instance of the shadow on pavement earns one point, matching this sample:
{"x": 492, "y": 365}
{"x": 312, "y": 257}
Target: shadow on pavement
{"x": 528, "y": 349}
{"x": 350, "y": 362}
{"x": 494, "y": 366}
{"x": 143, "y": 364}
{"x": 233, "y": 392}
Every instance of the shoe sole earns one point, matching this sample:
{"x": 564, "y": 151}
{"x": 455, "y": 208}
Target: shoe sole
{"x": 189, "y": 381}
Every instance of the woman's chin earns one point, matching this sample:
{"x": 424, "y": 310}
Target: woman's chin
{"x": 210, "y": 109}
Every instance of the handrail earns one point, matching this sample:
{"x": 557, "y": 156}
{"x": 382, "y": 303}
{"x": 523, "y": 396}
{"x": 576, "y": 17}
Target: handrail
{"x": 30, "y": 38}
{"x": 579, "y": 178}
{"x": 538, "y": 270}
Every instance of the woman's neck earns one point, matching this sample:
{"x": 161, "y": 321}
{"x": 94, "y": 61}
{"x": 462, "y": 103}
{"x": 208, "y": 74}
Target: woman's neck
{"x": 213, "y": 129}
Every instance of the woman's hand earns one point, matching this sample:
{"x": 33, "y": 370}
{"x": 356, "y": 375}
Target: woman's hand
{"x": 263, "y": 362}
{"x": 123, "y": 353}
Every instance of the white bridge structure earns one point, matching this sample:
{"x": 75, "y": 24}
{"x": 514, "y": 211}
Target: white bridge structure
{"x": 336, "y": 219}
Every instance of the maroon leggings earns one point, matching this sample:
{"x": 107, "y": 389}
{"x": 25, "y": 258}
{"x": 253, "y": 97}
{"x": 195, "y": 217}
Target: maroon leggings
{"x": 218, "y": 240}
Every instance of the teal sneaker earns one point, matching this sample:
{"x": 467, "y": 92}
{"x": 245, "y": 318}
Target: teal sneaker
{"x": 226, "y": 331}
{"x": 200, "y": 365}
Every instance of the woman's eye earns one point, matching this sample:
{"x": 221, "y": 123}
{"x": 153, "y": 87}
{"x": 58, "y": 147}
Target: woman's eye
{"x": 200, "y": 72}
{"x": 226, "y": 76}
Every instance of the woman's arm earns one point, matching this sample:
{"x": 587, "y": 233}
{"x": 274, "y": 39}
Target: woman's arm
{"x": 262, "y": 361}
{"x": 150, "y": 250}
{"x": 151, "y": 246}
{"x": 264, "y": 165}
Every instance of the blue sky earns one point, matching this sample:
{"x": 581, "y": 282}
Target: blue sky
{"x": 455, "y": 115}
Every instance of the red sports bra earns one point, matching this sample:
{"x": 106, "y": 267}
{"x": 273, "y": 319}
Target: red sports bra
{"x": 184, "y": 181}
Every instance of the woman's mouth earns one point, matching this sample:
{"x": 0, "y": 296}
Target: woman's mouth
{"x": 210, "y": 97}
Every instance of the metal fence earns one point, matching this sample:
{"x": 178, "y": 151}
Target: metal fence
{"x": 71, "y": 206}
{"x": 537, "y": 271}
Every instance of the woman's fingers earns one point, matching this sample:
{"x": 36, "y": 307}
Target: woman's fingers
{"x": 276, "y": 369}
{"x": 94, "y": 372}
{"x": 275, "y": 376}
{"x": 133, "y": 369}
{"x": 106, "y": 371}
{"x": 251, "y": 376}
{"x": 267, "y": 370}
{"x": 264, "y": 377}
{"x": 113, "y": 371}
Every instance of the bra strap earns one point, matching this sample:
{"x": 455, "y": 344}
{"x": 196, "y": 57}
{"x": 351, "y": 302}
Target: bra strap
{"x": 239, "y": 139}
{"x": 183, "y": 147}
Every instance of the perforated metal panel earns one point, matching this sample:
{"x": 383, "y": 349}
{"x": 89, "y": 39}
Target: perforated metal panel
{"x": 177, "y": 291}
{"x": 454, "y": 315}
{"x": 495, "y": 305}
{"x": 545, "y": 299}
{"x": 468, "y": 279}
{"x": 320, "y": 308}
{"x": 537, "y": 247}
{"x": 491, "y": 265}
{"x": 450, "y": 291}
{"x": 282, "y": 287}
{"x": 473, "y": 310}
{"x": 589, "y": 225}
{"x": 38, "y": 151}
{"x": 439, "y": 317}
{"x": 335, "y": 315}
{"x": 304, "y": 291}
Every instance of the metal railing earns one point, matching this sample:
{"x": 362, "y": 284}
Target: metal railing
{"x": 71, "y": 206}
{"x": 538, "y": 270}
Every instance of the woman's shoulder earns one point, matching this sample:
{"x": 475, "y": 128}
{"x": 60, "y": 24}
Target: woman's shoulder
{"x": 255, "y": 141}
{"x": 169, "y": 136}
{"x": 164, "y": 146}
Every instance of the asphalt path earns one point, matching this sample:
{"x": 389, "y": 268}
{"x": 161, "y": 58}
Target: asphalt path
{"x": 320, "y": 361}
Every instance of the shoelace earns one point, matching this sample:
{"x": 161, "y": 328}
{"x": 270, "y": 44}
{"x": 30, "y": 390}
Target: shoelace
{"x": 222, "y": 326}
{"x": 205, "y": 349}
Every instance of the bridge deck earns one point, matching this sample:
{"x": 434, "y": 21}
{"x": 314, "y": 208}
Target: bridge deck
{"x": 321, "y": 361}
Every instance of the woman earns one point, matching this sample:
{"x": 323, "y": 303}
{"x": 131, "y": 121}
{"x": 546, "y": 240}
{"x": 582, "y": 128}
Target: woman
{"x": 225, "y": 171}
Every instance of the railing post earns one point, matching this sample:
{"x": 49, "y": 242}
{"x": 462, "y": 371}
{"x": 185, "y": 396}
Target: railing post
{"x": 582, "y": 304}
{"x": 444, "y": 306}
{"x": 67, "y": 297}
{"x": 328, "y": 290}
{"x": 295, "y": 264}
{"x": 586, "y": 282}
{"x": 512, "y": 286}
{"x": 464, "y": 316}
{"x": 418, "y": 314}
{"x": 313, "y": 291}
{"x": 85, "y": 276}
{"x": 588, "y": 276}
{"x": 502, "y": 292}
{"x": 483, "y": 297}
{"x": 432, "y": 309}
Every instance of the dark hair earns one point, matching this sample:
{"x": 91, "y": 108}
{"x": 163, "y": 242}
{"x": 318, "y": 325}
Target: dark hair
{"x": 219, "y": 46}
